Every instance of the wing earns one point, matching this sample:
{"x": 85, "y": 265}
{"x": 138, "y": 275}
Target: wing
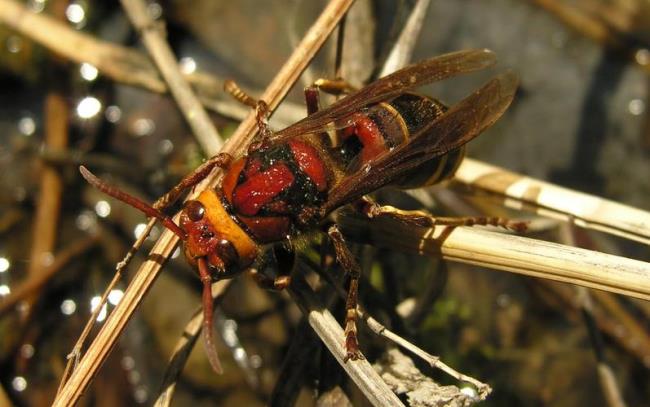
{"x": 390, "y": 86}
{"x": 457, "y": 126}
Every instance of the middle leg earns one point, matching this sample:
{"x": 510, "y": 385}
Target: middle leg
{"x": 351, "y": 267}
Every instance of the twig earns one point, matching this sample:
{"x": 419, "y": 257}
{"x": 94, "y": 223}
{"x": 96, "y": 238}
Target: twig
{"x": 152, "y": 37}
{"x": 379, "y": 329}
{"x": 330, "y": 332}
{"x": 550, "y": 200}
{"x": 402, "y": 51}
{"x": 184, "y": 347}
{"x": 122, "y": 64}
{"x": 236, "y": 145}
{"x": 400, "y": 373}
{"x": 608, "y": 382}
{"x": 48, "y": 207}
{"x": 501, "y": 251}
{"x": 75, "y": 354}
{"x": 37, "y": 281}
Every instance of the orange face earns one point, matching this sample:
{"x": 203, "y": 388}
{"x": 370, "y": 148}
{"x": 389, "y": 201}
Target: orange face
{"x": 213, "y": 234}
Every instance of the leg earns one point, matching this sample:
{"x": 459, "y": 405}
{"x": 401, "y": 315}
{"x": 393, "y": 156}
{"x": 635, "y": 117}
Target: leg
{"x": 278, "y": 283}
{"x": 346, "y": 260}
{"x": 312, "y": 100}
{"x": 334, "y": 87}
{"x": 261, "y": 112}
{"x": 424, "y": 219}
{"x": 221, "y": 160}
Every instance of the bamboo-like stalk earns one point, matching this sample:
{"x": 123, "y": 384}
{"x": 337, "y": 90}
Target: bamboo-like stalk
{"x": 236, "y": 145}
{"x": 506, "y": 252}
{"x": 550, "y": 200}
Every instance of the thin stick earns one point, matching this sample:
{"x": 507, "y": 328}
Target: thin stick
{"x": 75, "y": 354}
{"x": 121, "y": 64}
{"x": 400, "y": 55}
{"x": 48, "y": 207}
{"x": 379, "y": 329}
{"x": 184, "y": 347}
{"x": 236, "y": 145}
{"x": 550, "y": 200}
{"x": 515, "y": 254}
{"x": 331, "y": 333}
{"x": 37, "y": 281}
{"x": 161, "y": 53}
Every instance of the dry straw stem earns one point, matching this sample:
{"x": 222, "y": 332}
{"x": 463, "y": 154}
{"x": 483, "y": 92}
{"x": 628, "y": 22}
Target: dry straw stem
{"x": 122, "y": 64}
{"x": 402, "y": 52}
{"x": 550, "y": 200}
{"x": 184, "y": 347}
{"x": 37, "y": 281}
{"x": 500, "y": 251}
{"x": 152, "y": 34}
{"x": 331, "y": 333}
{"x": 236, "y": 145}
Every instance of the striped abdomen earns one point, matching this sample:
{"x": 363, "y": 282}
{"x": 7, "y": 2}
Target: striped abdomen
{"x": 385, "y": 126}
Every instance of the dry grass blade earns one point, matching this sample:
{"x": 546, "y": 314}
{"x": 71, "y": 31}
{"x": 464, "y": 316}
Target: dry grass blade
{"x": 117, "y": 320}
{"x": 121, "y": 64}
{"x": 154, "y": 39}
{"x": 184, "y": 347}
{"x": 331, "y": 333}
{"x": 550, "y": 200}
{"x": 401, "y": 53}
{"x": 511, "y": 253}
{"x": 36, "y": 282}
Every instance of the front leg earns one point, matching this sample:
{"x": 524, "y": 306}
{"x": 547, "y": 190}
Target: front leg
{"x": 221, "y": 160}
{"x": 351, "y": 267}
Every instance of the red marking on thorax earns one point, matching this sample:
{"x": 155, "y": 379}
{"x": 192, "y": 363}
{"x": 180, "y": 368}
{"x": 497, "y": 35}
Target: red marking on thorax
{"x": 310, "y": 163}
{"x": 260, "y": 187}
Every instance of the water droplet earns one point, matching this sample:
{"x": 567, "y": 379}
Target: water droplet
{"x": 94, "y": 302}
{"x": 26, "y": 126}
{"x": 115, "y": 296}
{"x": 4, "y": 264}
{"x": 76, "y": 14}
{"x": 155, "y": 10}
{"x": 88, "y": 71}
{"x": 19, "y": 383}
{"x": 143, "y": 127}
{"x": 103, "y": 209}
{"x": 139, "y": 229}
{"x": 4, "y": 290}
{"x": 642, "y": 56}
{"x": 68, "y": 307}
{"x": 636, "y": 106}
{"x": 113, "y": 114}
{"x": 14, "y": 44}
{"x": 88, "y": 107}
{"x": 27, "y": 351}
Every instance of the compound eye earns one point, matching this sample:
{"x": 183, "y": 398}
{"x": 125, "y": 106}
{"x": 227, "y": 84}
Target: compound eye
{"x": 227, "y": 252}
{"x": 194, "y": 210}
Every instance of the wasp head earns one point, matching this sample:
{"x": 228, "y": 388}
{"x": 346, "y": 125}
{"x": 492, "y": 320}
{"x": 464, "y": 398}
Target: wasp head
{"x": 212, "y": 234}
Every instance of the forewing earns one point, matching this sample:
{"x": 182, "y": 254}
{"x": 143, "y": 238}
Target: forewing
{"x": 457, "y": 126}
{"x": 390, "y": 86}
